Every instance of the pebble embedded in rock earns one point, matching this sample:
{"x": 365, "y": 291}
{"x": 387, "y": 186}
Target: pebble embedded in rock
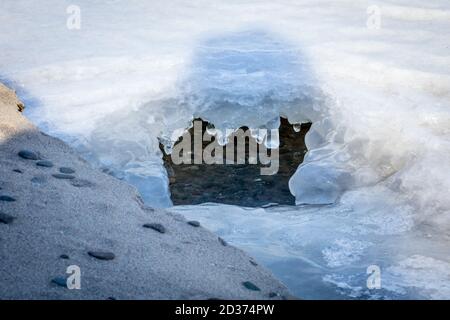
{"x": 44, "y": 163}
{"x": 18, "y": 170}
{"x": 6, "y": 218}
{"x": 39, "y": 180}
{"x": 222, "y": 242}
{"x": 102, "y": 255}
{"x": 80, "y": 183}
{"x": 253, "y": 262}
{"x": 66, "y": 170}
{"x": 194, "y": 223}
{"x": 28, "y": 155}
{"x": 7, "y": 199}
{"x": 20, "y": 106}
{"x": 63, "y": 176}
{"x": 64, "y": 256}
{"x": 155, "y": 226}
{"x": 250, "y": 286}
{"x": 60, "y": 281}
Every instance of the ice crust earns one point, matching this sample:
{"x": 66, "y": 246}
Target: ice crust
{"x": 137, "y": 73}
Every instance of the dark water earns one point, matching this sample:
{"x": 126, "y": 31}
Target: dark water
{"x": 239, "y": 184}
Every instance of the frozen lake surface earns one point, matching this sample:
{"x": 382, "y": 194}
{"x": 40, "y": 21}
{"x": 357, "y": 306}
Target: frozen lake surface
{"x": 373, "y": 80}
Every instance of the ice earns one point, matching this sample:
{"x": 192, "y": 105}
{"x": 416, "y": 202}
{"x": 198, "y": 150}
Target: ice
{"x": 378, "y": 97}
{"x": 328, "y": 183}
{"x": 421, "y": 272}
{"x": 344, "y": 252}
{"x": 331, "y": 247}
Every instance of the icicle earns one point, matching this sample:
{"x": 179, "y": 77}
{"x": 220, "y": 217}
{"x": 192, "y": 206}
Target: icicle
{"x": 168, "y": 149}
{"x": 210, "y": 129}
{"x": 258, "y": 134}
{"x": 297, "y": 127}
{"x": 272, "y": 139}
{"x": 222, "y": 139}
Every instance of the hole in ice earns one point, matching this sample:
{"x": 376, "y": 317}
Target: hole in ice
{"x": 238, "y": 184}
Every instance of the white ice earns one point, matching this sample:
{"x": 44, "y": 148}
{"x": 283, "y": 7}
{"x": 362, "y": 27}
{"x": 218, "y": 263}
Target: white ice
{"x": 378, "y": 96}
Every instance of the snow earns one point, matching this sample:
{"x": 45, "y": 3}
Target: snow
{"x": 137, "y": 73}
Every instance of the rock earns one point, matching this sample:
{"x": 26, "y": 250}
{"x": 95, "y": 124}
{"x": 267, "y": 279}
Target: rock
{"x": 39, "y": 180}
{"x": 155, "y": 226}
{"x": 64, "y": 256}
{"x": 66, "y": 170}
{"x": 6, "y": 218}
{"x": 273, "y": 295}
{"x": 269, "y": 183}
{"x": 20, "y": 106}
{"x": 60, "y": 281}
{"x": 209, "y": 185}
{"x": 102, "y": 255}
{"x": 194, "y": 223}
{"x": 63, "y": 176}
{"x": 7, "y": 199}
{"x": 80, "y": 183}
{"x": 28, "y": 155}
{"x": 250, "y": 286}
{"x": 222, "y": 242}
{"x": 44, "y": 163}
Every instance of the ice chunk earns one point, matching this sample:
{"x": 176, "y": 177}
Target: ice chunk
{"x": 316, "y": 183}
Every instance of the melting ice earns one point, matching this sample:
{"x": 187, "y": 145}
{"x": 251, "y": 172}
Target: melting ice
{"x": 373, "y": 188}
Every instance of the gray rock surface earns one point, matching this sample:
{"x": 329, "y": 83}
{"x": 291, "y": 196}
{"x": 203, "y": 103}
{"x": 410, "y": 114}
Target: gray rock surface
{"x": 96, "y": 212}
